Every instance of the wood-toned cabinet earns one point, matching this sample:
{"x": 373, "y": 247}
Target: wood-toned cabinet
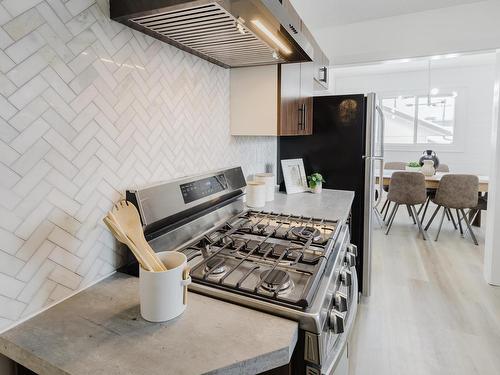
{"x": 272, "y": 100}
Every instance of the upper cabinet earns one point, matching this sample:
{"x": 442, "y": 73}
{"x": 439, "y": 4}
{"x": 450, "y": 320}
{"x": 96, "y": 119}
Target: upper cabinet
{"x": 272, "y": 100}
{"x": 278, "y": 100}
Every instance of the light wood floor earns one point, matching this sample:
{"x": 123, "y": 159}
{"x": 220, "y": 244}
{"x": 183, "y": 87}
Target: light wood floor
{"x": 430, "y": 312}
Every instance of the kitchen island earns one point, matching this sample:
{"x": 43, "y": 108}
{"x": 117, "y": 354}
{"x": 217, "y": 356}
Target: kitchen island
{"x": 100, "y": 330}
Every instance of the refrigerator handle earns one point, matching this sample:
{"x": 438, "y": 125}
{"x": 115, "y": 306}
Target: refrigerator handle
{"x": 381, "y": 157}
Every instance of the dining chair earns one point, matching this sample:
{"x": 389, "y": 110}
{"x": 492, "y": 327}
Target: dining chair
{"x": 431, "y": 193}
{"x": 458, "y": 192}
{"x": 443, "y": 168}
{"x": 391, "y": 165}
{"x": 407, "y": 188}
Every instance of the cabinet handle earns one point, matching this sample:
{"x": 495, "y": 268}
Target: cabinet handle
{"x": 301, "y": 117}
{"x": 304, "y": 113}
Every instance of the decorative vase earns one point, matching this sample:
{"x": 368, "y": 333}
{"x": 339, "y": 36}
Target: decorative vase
{"x": 317, "y": 188}
{"x": 428, "y": 168}
{"x": 429, "y": 155}
{"x": 412, "y": 169}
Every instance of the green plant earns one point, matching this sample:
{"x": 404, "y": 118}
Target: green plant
{"x": 315, "y": 179}
{"x": 413, "y": 164}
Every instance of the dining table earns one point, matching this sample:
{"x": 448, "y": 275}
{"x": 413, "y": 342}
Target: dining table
{"x": 432, "y": 182}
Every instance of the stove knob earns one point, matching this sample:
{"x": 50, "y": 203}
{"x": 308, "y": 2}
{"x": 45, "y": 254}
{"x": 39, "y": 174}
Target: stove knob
{"x": 340, "y": 301}
{"x": 350, "y": 260}
{"x": 353, "y": 249}
{"x": 346, "y": 277}
{"x": 336, "y": 321}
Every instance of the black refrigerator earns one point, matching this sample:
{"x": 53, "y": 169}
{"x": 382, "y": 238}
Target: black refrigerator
{"x": 346, "y": 147}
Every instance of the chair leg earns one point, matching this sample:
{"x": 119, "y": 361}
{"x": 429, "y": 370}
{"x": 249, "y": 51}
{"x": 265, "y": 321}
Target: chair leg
{"x": 391, "y": 218}
{"x": 387, "y": 210}
{"x": 473, "y": 236}
{"x": 419, "y": 223}
{"x": 432, "y": 217}
{"x": 441, "y": 223}
{"x": 384, "y": 206}
{"x": 425, "y": 209}
{"x": 411, "y": 214}
{"x": 460, "y": 223}
{"x": 447, "y": 215}
{"x": 452, "y": 218}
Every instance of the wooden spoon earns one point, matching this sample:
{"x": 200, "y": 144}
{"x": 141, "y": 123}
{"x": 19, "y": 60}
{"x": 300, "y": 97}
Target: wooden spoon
{"x": 127, "y": 217}
{"x": 120, "y": 236}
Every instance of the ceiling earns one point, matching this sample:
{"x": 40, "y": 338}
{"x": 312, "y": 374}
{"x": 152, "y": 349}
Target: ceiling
{"x": 405, "y": 65}
{"x": 327, "y": 13}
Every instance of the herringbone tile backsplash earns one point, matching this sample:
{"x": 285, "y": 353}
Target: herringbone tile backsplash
{"x": 89, "y": 108}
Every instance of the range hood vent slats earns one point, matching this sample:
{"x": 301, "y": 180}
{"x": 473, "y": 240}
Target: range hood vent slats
{"x": 211, "y": 31}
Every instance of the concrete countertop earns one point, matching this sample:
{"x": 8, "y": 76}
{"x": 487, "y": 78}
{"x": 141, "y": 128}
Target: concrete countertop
{"x": 100, "y": 332}
{"x": 329, "y": 204}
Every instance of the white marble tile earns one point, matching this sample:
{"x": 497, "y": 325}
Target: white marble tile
{"x": 36, "y": 281}
{"x": 23, "y": 24}
{"x": 32, "y": 178}
{"x": 29, "y": 159}
{"x": 7, "y": 110}
{"x": 40, "y": 299}
{"x": 62, "y": 201}
{"x": 54, "y": 21}
{"x": 59, "y": 125}
{"x": 16, "y": 7}
{"x": 4, "y": 15}
{"x": 65, "y": 277}
{"x": 60, "y": 9}
{"x": 25, "y": 47}
{"x": 29, "y": 114}
{"x": 36, "y": 260}
{"x": 6, "y": 63}
{"x": 28, "y": 69}
{"x": 65, "y": 258}
{"x": 30, "y": 135}
{"x": 28, "y": 92}
{"x": 33, "y": 220}
{"x": 11, "y": 309}
{"x": 5, "y": 39}
{"x": 59, "y": 162}
{"x": 63, "y": 239}
{"x": 10, "y": 243}
{"x": 77, "y": 6}
{"x": 60, "y": 144}
{"x": 9, "y": 286}
{"x": 81, "y": 22}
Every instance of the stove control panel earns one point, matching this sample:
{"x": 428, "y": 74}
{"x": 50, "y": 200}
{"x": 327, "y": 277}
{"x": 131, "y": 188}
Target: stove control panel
{"x": 202, "y": 188}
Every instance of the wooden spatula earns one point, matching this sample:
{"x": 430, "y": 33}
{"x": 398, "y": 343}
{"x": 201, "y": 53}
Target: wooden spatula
{"x": 127, "y": 217}
{"x": 120, "y": 236}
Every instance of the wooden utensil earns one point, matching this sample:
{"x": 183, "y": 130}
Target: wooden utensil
{"x": 122, "y": 237}
{"x": 127, "y": 217}
{"x": 185, "y": 276}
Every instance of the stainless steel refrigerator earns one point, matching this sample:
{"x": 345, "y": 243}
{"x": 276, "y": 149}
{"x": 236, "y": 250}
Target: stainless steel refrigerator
{"x": 347, "y": 148}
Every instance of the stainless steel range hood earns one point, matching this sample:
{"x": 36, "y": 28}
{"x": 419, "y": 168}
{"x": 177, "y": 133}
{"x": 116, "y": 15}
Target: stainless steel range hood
{"x": 230, "y": 33}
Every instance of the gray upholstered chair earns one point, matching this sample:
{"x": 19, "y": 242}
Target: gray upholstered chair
{"x": 407, "y": 188}
{"x": 396, "y": 166}
{"x": 459, "y": 192}
{"x": 443, "y": 168}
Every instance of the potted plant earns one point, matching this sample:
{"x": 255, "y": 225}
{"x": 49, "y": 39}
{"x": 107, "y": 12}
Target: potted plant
{"x": 413, "y": 166}
{"x": 316, "y": 182}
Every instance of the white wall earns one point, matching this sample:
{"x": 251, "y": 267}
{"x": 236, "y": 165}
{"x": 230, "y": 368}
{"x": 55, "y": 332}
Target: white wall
{"x": 492, "y": 244}
{"x": 464, "y": 28}
{"x": 473, "y": 120}
{"x": 89, "y": 108}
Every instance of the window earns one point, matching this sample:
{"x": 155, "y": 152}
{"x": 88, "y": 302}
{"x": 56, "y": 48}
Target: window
{"x": 419, "y": 119}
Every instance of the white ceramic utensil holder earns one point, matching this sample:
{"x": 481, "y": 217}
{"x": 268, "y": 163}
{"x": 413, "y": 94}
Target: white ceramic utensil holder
{"x": 161, "y": 293}
{"x": 268, "y": 179}
{"x": 256, "y": 194}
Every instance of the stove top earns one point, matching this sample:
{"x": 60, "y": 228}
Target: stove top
{"x": 269, "y": 256}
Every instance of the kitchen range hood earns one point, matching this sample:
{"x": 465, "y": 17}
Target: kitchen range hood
{"x": 229, "y": 33}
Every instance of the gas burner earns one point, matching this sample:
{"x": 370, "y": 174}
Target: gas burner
{"x": 273, "y": 279}
{"x": 218, "y": 265}
{"x": 307, "y": 232}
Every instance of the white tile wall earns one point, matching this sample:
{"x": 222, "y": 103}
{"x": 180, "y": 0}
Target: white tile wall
{"x": 87, "y": 109}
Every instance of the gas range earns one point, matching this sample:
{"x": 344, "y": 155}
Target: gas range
{"x": 301, "y": 268}
{"x": 265, "y": 255}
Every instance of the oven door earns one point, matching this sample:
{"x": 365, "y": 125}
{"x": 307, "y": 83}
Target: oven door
{"x": 336, "y": 362}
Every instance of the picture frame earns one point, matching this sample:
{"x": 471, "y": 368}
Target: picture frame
{"x": 294, "y": 175}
